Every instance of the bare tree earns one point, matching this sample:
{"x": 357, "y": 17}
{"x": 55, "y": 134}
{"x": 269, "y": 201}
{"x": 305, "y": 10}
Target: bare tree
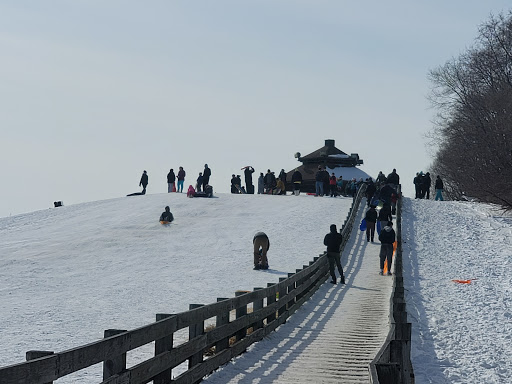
{"x": 473, "y": 96}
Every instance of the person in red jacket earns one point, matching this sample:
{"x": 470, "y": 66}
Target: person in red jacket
{"x": 332, "y": 184}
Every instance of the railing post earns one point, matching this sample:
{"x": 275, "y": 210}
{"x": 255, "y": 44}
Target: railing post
{"x": 256, "y": 306}
{"x": 195, "y": 330}
{"x": 282, "y": 294}
{"x": 163, "y": 345}
{"x": 222, "y": 319}
{"x": 289, "y": 289}
{"x": 241, "y": 312}
{"x": 116, "y": 364}
{"x": 271, "y": 299}
{"x": 32, "y": 355}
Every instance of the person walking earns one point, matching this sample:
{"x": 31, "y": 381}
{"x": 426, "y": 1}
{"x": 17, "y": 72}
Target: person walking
{"x": 297, "y": 181}
{"x": 261, "y": 245}
{"x": 385, "y": 215}
{"x": 144, "y": 182}
{"x": 393, "y": 178}
{"x": 417, "y": 185}
{"x": 181, "y": 179}
{"x": 371, "y": 220}
{"x": 370, "y": 191}
{"x": 387, "y": 237}
{"x": 207, "y": 172}
{"x": 166, "y": 216}
{"x": 171, "y": 179}
{"x": 333, "y": 242}
{"x": 439, "y": 188}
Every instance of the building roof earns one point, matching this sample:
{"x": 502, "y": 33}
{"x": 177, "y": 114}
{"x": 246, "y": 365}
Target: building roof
{"x": 331, "y": 155}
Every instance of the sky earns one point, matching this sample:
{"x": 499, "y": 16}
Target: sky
{"x": 63, "y": 265}
{"x": 95, "y": 92}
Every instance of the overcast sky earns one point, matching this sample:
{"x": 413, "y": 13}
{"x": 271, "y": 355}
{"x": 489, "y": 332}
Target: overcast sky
{"x": 94, "y": 92}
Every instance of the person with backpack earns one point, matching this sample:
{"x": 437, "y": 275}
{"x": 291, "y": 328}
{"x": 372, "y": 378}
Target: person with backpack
{"x": 333, "y": 242}
{"x": 387, "y": 237}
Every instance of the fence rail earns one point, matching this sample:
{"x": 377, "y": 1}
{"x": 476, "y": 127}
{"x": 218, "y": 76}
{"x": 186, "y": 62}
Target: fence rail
{"x": 271, "y": 307}
{"x": 392, "y": 364}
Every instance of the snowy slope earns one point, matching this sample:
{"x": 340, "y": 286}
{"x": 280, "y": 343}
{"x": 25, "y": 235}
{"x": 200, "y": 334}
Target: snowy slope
{"x": 67, "y": 274}
{"x": 462, "y": 333}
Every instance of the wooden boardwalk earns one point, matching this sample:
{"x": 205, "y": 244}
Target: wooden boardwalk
{"x": 330, "y": 339}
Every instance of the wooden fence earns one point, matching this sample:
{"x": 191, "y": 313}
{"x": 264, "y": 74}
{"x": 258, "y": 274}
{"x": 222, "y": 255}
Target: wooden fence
{"x": 392, "y": 365}
{"x": 271, "y": 306}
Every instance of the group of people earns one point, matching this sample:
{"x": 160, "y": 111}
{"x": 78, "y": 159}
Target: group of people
{"x": 422, "y": 184}
{"x": 267, "y": 184}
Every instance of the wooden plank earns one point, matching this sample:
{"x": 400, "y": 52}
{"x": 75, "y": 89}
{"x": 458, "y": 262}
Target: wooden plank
{"x": 195, "y": 330}
{"x": 38, "y": 371}
{"x": 115, "y": 363}
{"x": 221, "y": 320}
{"x": 162, "y": 345}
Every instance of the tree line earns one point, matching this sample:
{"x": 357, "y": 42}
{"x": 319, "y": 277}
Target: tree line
{"x": 472, "y": 94}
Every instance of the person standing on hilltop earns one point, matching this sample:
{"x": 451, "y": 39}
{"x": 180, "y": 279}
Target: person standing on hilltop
{"x": 439, "y": 188}
{"x": 248, "y": 171}
{"x": 171, "y": 179}
{"x": 144, "y": 182}
{"x": 297, "y": 181}
{"x": 206, "y": 176}
{"x": 181, "y": 179}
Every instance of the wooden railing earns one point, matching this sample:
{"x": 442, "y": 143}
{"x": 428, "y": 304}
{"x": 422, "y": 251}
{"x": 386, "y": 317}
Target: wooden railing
{"x": 271, "y": 307}
{"x": 392, "y": 364}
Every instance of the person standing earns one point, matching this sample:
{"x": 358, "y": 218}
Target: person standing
{"x": 387, "y": 237}
{"x": 261, "y": 245}
{"x": 370, "y": 191}
{"x": 333, "y": 242}
{"x": 181, "y": 179}
{"x": 417, "y": 187}
{"x": 371, "y": 220}
{"x": 319, "y": 182}
{"x": 144, "y": 182}
{"x": 206, "y": 177}
{"x": 248, "y": 171}
{"x": 199, "y": 182}
{"x": 385, "y": 215}
{"x": 332, "y": 184}
{"x": 297, "y": 181}
{"x": 428, "y": 183}
{"x": 261, "y": 184}
{"x": 393, "y": 178}
{"x": 439, "y": 188}
{"x": 171, "y": 179}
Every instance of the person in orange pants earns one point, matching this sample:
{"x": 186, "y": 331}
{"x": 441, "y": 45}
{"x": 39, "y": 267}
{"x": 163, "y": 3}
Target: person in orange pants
{"x": 261, "y": 245}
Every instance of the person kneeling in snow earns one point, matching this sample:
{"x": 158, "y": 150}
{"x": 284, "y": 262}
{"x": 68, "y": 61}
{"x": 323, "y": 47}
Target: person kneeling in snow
{"x": 166, "y": 216}
{"x": 261, "y": 245}
{"x": 191, "y": 191}
{"x": 387, "y": 238}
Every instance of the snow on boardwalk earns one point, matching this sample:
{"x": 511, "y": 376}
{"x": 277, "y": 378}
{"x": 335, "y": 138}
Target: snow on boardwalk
{"x": 333, "y": 337}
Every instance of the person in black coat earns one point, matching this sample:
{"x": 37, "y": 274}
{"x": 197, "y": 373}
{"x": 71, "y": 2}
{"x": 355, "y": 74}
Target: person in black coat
{"x": 427, "y": 182}
{"x": 417, "y": 185}
{"x": 387, "y": 237}
{"x": 144, "y": 182}
{"x": 166, "y": 216}
{"x": 234, "y": 183}
{"x": 248, "y": 171}
{"x": 393, "y": 178}
{"x": 385, "y": 215}
{"x": 333, "y": 242}
{"x": 206, "y": 177}
{"x": 439, "y": 188}
{"x": 171, "y": 179}
{"x": 297, "y": 181}
{"x": 370, "y": 191}
{"x": 371, "y": 220}
{"x": 200, "y": 182}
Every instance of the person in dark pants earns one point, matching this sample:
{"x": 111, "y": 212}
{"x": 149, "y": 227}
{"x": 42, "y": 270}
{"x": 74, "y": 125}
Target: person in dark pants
{"x": 371, "y": 219}
{"x": 171, "y": 179}
{"x": 200, "y": 182}
{"x": 387, "y": 237}
{"x": 206, "y": 176}
{"x": 297, "y": 181}
{"x": 261, "y": 245}
{"x": 333, "y": 242}
{"x": 428, "y": 183}
{"x": 439, "y": 188}
{"x": 144, "y": 182}
{"x": 248, "y": 171}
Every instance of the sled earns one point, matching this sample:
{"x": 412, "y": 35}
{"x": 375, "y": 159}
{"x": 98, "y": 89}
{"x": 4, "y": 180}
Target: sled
{"x": 463, "y": 281}
{"x": 362, "y": 226}
{"x": 164, "y": 222}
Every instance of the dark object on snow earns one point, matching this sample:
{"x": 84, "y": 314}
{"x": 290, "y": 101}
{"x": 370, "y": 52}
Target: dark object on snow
{"x": 167, "y": 215}
{"x": 57, "y": 204}
{"x": 208, "y": 192}
{"x": 138, "y": 193}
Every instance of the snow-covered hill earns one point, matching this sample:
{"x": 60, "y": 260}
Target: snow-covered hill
{"x": 68, "y": 273}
